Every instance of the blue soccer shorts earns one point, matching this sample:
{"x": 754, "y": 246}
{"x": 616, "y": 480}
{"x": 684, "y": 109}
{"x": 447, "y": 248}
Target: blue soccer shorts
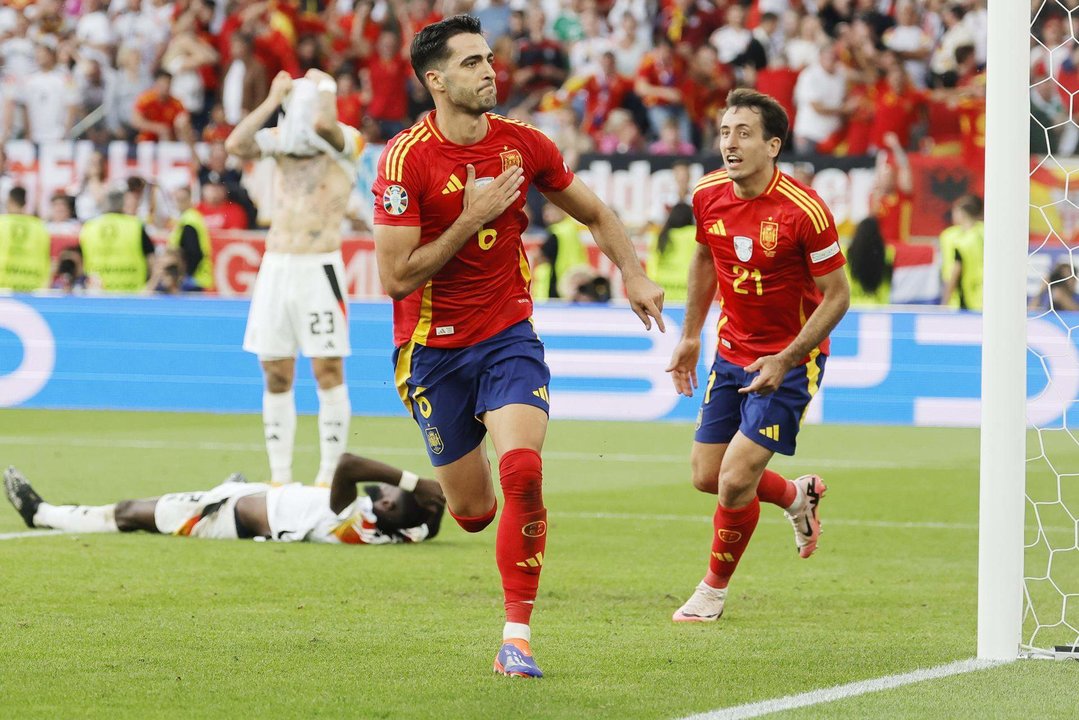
{"x": 772, "y": 420}
{"x": 447, "y": 390}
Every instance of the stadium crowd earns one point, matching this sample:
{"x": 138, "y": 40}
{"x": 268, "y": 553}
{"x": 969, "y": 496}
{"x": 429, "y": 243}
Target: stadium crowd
{"x": 859, "y": 78}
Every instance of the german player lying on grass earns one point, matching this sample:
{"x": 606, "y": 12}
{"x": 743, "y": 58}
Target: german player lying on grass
{"x": 396, "y": 507}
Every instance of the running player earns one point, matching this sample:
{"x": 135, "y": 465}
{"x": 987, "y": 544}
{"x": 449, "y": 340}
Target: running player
{"x": 770, "y": 245}
{"x": 298, "y": 301}
{"x": 396, "y": 507}
{"x": 448, "y": 223}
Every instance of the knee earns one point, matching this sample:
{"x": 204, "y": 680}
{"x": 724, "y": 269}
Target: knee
{"x": 278, "y": 381}
{"x": 329, "y": 374}
{"x": 705, "y": 482}
{"x": 125, "y": 516}
{"x": 734, "y": 486}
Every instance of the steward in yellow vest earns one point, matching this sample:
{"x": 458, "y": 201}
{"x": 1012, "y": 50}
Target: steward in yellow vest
{"x": 672, "y": 251}
{"x": 563, "y": 252}
{"x": 192, "y": 239}
{"x": 115, "y": 247}
{"x": 24, "y": 247}
{"x": 963, "y": 248}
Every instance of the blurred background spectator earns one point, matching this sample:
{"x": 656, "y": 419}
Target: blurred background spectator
{"x": 24, "y": 246}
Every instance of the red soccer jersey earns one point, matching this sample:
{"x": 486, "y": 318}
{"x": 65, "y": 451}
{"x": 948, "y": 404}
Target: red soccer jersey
{"x": 767, "y": 251}
{"x": 894, "y": 213}
{"x": 483, "y": 289}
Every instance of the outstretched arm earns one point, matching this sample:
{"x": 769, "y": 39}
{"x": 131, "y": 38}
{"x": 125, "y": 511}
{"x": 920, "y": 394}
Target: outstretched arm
{"x": 241, "y": 141}
{"x": 580, "y": 202}
{"x": 353, "y": 470}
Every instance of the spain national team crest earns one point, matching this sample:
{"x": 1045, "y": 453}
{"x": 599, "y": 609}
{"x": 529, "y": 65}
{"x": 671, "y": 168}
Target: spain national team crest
{"x": 743, "y": 247}
{"x": 510, "y": 158}
{"x": 434, "y": 440}
{"x": 769, "y": 237}
{"x": 395, "y": 200}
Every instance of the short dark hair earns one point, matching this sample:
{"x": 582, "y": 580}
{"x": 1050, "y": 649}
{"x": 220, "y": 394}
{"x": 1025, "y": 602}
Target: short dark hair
{"x": 971, "y": 204}
{"x": 412, "y": 514}
{"x": 774, "y": 120}
{"x": 431, "y": 45}
{"x": 17, "y": 195}
{"x": 162, "y": 73}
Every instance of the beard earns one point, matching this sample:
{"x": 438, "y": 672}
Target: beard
{"x": 471, "y": 102}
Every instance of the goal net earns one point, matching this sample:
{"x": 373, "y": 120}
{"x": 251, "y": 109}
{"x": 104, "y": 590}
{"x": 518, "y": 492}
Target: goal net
{"x": 1050, "y": 626}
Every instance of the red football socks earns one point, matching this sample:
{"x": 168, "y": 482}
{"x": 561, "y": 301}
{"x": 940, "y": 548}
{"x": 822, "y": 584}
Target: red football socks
{"x": 477, "y": 523}
{"x": 733, "y": 528}
{"x": 522, "y": 531}
{"x": 776, "y": 489}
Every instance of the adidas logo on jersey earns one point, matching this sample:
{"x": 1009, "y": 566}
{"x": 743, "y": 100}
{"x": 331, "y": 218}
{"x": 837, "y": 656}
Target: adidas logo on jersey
{"x": 452, "y": 185}
{"x": 717, "y": 228}
{"x": 772, "y": 432}
{"x": 542, "y": 394}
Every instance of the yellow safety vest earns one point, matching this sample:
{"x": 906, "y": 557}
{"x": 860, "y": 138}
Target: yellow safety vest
{"x": 203, "y": 275}
{"x": 112, "y": 250}
{"x": 24, "y": 253}
{"x": 971, "y": 249}
{"x": 670, "y": 269}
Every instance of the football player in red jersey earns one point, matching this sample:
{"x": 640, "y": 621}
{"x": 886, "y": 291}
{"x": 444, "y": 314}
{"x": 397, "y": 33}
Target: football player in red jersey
{"x": 770, "y": 245}
{"x": 448, "y": 223}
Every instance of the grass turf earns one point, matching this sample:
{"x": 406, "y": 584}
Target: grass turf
{"x": 140, "y": 625}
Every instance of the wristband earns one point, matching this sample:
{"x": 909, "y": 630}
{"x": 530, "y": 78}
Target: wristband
{"x": 327, "y": 85}
{"x": 408, "y": 481}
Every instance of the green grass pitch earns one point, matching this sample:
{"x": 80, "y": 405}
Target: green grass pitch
{"x": 143, "y": 626}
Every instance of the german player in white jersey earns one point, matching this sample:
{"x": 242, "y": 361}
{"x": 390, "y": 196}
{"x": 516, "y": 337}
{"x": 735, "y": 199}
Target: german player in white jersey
{"x": 396, "y": 506}
{"x": 299, "y": 303}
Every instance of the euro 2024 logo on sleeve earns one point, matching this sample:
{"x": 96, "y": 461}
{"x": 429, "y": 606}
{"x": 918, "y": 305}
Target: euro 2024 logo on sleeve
{"x": 35, "y": 342}
{"x": 395, "y": 200}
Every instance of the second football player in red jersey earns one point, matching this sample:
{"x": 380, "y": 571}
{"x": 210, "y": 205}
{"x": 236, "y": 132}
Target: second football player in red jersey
{"x": 770, "y": 245}
{"x": 449, "y": 215}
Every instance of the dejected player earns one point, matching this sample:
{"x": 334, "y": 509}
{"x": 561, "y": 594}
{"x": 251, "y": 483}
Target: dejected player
{"x": 299, "y": 300}
{"x": 448, "y": 223}
{"x": 770, "y": 245}
{"x": 396, "y": 506}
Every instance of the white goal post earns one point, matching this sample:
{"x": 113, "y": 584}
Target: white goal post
{"x": 1004, "y": 420}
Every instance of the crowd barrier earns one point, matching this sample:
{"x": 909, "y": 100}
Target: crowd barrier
{"x": 183, "y": 354}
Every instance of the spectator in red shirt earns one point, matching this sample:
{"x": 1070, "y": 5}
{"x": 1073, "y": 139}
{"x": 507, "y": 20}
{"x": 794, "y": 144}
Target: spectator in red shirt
{"x": 897, "y": 106}
{"x": 892, "y": 199}
{"x": 604, "y": 91}
{"x": 384, "y": 78}
{"x": 218, "y": 129}
{"x": 689, "y": 22}
{"x": 705, "y": 89}
{"x": 158, "y": 115}
{"x": 659, "y": 86}
{"x": 218, "y": 211}
{"x": 349, "y": 99}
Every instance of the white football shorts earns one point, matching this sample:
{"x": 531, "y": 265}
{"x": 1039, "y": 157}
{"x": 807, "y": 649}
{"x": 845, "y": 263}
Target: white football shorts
{"x": 204, "y": 514}
{"x": 299, "y": 304}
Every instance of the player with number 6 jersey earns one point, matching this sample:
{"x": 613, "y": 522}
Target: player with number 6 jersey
{"x": 484, "y": 288}
{"x": 449, "y": 215}
{"x": 769, "y": 245}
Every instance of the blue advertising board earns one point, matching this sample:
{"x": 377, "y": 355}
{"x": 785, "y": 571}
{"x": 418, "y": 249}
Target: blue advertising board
{"x": 183, "y": 354}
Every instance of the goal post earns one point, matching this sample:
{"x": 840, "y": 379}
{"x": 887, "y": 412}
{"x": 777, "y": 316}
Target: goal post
{"x": 1003, "y": 410}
